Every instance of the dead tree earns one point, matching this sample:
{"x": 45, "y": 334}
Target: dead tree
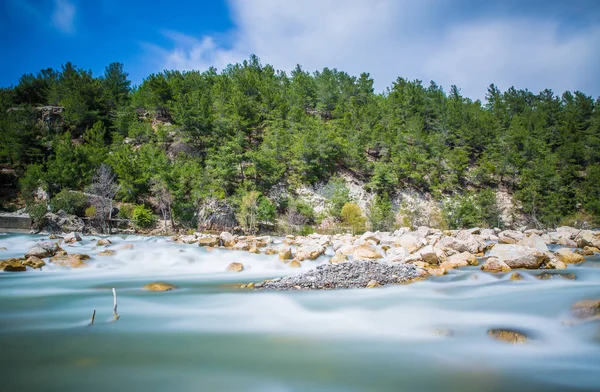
{"x": 164, "y": 200}
{"x": 105, "y": 187}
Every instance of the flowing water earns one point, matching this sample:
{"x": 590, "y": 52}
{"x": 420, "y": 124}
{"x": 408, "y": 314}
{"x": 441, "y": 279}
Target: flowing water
{"x": 210, "y": 336}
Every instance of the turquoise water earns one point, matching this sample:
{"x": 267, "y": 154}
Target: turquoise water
{"x": 209, "y": 336}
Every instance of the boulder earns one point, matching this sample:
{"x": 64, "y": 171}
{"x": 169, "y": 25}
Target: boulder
{"x": 518, "y": 256}
{"x": 494, "y": 264}
{"x": 586, "y": 308}
{"x": 103, "y": 242}
{"x": 43, "y": 249}
{"x": 227, "y": 239}
{"x": 74, "y": 260}
{"x": 516, "y": 276}
{"x": 510, "y": 237}
{"x": 72, "y": 237}
{"x": 397, "y": 255}
{"x": 295, "y": 264}
{"x": 459, "y": 260}
{"x": 285, "y": 252}
{"x": 566, "y": 242}
{"x": 368, "y": 236}
{"x": 188, "y": 239}
{"x": 588, "y": 238}
{"x": 568, "y": 257}
{"x": 242, "y": 245}
{"x": 159, "y": 286}
{"x": 254, "y": 250}
{"x": 271, "y": 251}
{"x": 310, "y": 252}
{"x": 429, "y": 256}
{"x": 365, "y": 252}
{"x": 235, "y": 267}
{"x": 208, "y": 241}
{"x": 534, "y": 241}
{"x": 62, "y": 222}
{"x": 12, "y": 265}
{"x": 507, "y": 335}
{"x": 338, "y": 258}
{"x": 34, "y": 262}
{"x": 409, "y": 242}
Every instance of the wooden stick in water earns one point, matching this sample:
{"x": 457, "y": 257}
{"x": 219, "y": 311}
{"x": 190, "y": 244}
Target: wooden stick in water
{"x": 115, "y": 302}
{"x": 93, "y": 317}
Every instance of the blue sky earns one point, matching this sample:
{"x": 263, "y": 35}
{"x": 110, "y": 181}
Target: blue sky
{"x": 530, "y": 44}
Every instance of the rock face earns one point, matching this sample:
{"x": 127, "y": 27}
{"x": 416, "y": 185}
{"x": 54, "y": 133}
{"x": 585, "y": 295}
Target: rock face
{"x": 72, "y": 237}
{"x": 43, "y": 249}
{"x": 518, "y": 256}
{"x": 494, "y": 264}
{"x": 159, "y": 286}
{"x": 62, "y": 222}
{"x": 356, "y": 274}
{"x": 568, "y": 257}
{"x": 216, "y": 215}
{"x": 235, "y": 267}
{"x": 586, "y": 308}
{"x": 507, "y": 335}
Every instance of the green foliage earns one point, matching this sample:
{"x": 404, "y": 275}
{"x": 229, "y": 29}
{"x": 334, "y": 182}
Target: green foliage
{"x": 381, "y": 216}
{"x": 73, "y": 203}
{"x": 352, "y": 216}
{"x": 337, "y": 194}
{"x": 37, "y": 211}
{"x": 250, "y": 127}
{"x": 143, "y": 216}
{"x": 126, "y": 211}
{"x": 91, "y": 212}
{"x": 248, "y": 214}
{"x": 472, "y": 209}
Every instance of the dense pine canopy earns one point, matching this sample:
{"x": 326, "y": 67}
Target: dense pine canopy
{"x": 199, "y": 135}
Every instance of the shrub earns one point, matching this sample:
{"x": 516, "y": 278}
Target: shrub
{"x": 36, "y": 211}
{"x": 143, "y": 216}
{"x": 380, "y": 213}
{"x": 126, "y": 211}
{"x": 338, "y": 194}
{"x": 70, "y": 202}
{"x": 90, "y": 212}
{"x": 266, "y": 210}
{"x": 352, "y": 216}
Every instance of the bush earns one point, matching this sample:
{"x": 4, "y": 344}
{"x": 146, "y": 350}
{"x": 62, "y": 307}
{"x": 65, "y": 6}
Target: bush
{"x": 338, "y": 194}
{"x": 90, "y": 212}
{"x": 300, "y": 213}
{"x": 143, "y": 216}
{"x": 126, "y": 211}
{"x": 472, "y": 209}
{"x": 36, "y": 211}
{"x": 380, "y": 213}
{"x": 266, "y": 210}
{"x": 70, "y": 202}
{"x": 352, "y": 216}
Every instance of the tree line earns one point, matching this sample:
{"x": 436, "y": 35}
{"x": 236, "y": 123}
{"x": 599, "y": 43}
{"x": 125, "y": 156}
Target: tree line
{"x": 180, "y": 139}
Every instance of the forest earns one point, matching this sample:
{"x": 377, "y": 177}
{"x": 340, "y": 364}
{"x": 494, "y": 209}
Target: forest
{"x": 248, "y": 137}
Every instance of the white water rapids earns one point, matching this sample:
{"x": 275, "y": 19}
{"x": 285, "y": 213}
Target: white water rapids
{"x": 210, "y": 336}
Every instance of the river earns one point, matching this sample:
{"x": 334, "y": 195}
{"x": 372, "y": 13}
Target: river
{"x": 210, "y": 336}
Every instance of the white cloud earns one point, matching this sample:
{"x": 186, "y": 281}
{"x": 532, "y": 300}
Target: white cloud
{"x": 405, "y": 38}
{"x": 63, "y": 16}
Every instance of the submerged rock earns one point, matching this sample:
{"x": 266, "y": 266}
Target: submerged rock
{"x": 159, "y": 286}
{"x": 107, "y": 252}
{"x": 74, "y": 260}
{"x": 547, "y": 276}
{"x": 515, "y": 276}
{"x": 586, "y": 308}
{"x": 507, "y": 335}
{"x": 103, "y": 242}
{"x": 235, "y": 267}
{"x": 295, "y": 264}
{"x": 355, "y": 274}
{"x": 372, "y": 283}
